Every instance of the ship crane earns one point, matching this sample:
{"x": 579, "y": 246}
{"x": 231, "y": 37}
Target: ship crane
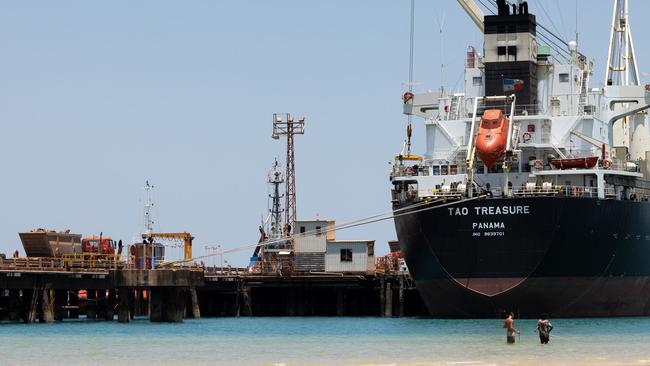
{"x": 597, "y": 143}
{"x": 474, "y": 13}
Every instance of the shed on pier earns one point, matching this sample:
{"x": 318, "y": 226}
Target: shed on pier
{"x": 317, "y": 250}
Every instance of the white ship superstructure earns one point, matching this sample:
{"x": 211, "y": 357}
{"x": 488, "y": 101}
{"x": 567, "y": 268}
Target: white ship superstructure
{"x": 558, "y": 114}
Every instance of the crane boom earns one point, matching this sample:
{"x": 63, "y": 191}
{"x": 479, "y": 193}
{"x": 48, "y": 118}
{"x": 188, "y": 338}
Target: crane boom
{"x": 589, "y": 139}
{"x": 474, "y": 12}
{"x": 185, "y": 237}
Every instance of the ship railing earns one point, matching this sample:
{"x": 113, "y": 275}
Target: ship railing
{"x": 428, "y": 170}
{"x": 466, "y": 111}
{"x": 528, "y": 110}
{"x": 561, "y": 190}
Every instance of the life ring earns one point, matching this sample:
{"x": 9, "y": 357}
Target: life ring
{"x": 409, "y": 171}
{"x": 527, "y": 136}
{"x": 607, "y": 163}
{"x": 407, "y": 97}
{"x": 538, "y": 164}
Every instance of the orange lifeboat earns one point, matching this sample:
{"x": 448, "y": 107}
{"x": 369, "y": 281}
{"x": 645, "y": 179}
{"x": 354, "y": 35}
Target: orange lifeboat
{"x": 492, "y": 136}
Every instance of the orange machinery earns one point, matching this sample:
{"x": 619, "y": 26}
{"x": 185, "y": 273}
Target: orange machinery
{"x": 184, "y": 236}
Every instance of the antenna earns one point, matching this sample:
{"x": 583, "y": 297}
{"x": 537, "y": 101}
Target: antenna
{"x": 148, "y": 205}
{"x": 409, "y": 127}
{"x": 441, "y": 25}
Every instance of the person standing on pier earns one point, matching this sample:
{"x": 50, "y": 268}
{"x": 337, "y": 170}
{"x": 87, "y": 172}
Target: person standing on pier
{"x": 509, "y": 324}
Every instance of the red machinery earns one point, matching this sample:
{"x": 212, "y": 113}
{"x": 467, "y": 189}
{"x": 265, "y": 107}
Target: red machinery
{"x": 98, "y": 245}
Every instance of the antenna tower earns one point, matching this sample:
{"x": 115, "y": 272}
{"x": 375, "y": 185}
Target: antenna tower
{"x": 275, "y": 179}
{"x": 621, "y": 59}
{"x": 284, "y": 125}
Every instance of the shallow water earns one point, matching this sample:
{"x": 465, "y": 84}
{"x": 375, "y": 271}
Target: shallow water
{"x": 324, "y": 341}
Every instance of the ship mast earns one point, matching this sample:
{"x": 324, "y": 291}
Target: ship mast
{"x": 621, "y": 58}
{"x": 148, "y": 205}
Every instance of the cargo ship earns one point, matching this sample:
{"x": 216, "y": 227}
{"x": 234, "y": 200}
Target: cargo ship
{"x": 532, "y": 194}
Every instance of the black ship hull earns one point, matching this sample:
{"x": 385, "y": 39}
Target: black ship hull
{"x": 569, "y": 257}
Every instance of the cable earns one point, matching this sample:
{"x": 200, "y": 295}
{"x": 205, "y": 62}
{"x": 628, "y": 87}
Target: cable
{"x": 356, "y": 223}
{"x": 541, "y": 6}
{"x": 412, "y": 36}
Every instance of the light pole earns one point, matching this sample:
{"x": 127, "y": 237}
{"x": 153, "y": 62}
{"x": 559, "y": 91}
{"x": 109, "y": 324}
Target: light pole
{"x": 220, "y": 257}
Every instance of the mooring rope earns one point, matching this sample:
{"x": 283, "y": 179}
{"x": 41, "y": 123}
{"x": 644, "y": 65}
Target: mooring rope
{"x": 413, "y": 209}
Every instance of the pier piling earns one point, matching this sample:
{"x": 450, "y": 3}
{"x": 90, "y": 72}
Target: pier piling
{"x": 124, "y": 305}
{"x": 388, "y": 308}
{"x": 31, "y": 297}
{"x": 46, "y": 306}
{"x": 194, "y": 299}
{"x": 91, "y": 304}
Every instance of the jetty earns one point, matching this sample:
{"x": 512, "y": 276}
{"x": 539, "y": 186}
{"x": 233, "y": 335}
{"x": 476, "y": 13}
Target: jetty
{"x": 49, "y": 289}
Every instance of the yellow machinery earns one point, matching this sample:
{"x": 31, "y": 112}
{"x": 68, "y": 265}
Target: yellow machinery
{"x": 185, "y": 237}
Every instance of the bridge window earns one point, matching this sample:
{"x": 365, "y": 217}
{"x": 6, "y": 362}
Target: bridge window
{"x": 477, "y": 81}
{"x": 564, "y": 78}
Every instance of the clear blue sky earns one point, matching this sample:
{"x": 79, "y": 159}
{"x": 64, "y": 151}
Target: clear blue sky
{"x": 95, "y": 98}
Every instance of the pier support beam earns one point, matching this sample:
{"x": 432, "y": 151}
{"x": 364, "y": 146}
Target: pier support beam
{"x": 109, "y": 305}
{"x": 30, "y": 303}
{"x": 124, "y": 305}
{"x": 194, "y": 299}
{"x": 174, "y": 305}
{"x": 340, "y": 302}
{"x": 155, "y": 305}
{"x": 401, "y": 296}
{"x": 382, "y": 296}
{"x": 46, "y": 306}
{"x": 244, "y": 307}
{"x": 74, "y": 304}
{"x": 167, "y": 304}
{"x": 60, "y": 304}
{"x": 388, "y": 308}
{"x": 14, "y": 305}
{"x": 91, "y": 304}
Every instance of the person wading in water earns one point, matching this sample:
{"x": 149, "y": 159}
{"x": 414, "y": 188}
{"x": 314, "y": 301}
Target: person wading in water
{"x": 509, "y": 324}
{"x": 544, "y": 328}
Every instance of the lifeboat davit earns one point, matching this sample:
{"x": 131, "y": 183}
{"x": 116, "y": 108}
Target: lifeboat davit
{"x": 492, "y": 136}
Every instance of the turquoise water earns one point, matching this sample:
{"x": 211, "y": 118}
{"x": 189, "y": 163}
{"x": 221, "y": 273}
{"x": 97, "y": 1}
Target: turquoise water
{"x": 324, "y": 341}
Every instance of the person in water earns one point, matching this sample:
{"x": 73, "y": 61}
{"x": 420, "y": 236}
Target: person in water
{"x": 509, "y": 324}
{"x": 544, "y": 328}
